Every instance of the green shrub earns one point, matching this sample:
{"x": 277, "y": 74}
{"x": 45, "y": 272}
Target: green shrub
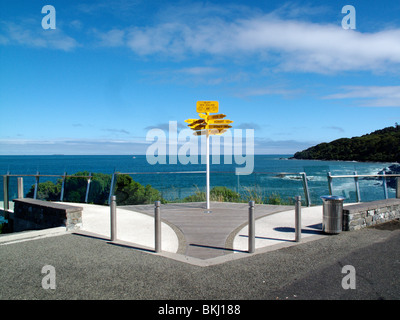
{"x": 130, "y": 192}
{"x": 126, "y": 190}
{"x": 224, "y": 194}
{"x": 46, "y": 191}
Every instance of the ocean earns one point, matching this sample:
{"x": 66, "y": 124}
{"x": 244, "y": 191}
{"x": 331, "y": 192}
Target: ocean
{"x": 267, "y": 177}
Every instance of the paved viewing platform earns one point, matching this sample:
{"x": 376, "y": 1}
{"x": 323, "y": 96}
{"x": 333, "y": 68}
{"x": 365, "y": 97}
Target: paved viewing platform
{"x": 195, "y": 235}
{"x": 223, "y": 231}
{"x": 192, "y": 234}
{"x": 204, "y": 256}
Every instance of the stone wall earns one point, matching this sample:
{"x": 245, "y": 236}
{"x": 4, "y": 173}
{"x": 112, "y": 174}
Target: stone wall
{"x": 366, "y": 214}
{"x": 31, "y": 214}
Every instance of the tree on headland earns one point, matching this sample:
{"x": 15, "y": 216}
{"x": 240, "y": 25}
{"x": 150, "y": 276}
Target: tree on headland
{"x": 379, "y": 146}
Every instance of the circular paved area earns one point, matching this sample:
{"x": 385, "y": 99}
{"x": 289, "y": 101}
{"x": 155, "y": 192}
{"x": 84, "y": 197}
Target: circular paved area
{"x": 206, "y": 235}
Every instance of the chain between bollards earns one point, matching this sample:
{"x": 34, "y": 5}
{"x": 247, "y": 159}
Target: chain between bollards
{"x": 113, "y": 218}
{"x": 157, "y": 227}
{"x": 297, "y": 219}
{"x": 251, "y": 227}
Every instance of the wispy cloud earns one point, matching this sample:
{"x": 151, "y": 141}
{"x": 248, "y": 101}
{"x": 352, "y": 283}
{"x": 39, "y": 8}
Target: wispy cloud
{"x": 166, "y": 126}
{"x": 294, "y": 44}
{"x": 199, "y": 70}
{"x": 268, "y": 91}
{"x": 248, "y": 125}
{"x": 335, "y": 128}
{"x": 72, "y": 146}
{"x": 29, "y": 33}
{"x": 370, "y": 96}
{"x": 111, "y": 38}
{"x": 285, "y": 39}
{"x": 269, "y": 146}
{"x": 116, "y": 131}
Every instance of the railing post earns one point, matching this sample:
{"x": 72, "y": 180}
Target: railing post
{"x": 330, "y": 183}
{"x": 306, "y": 190}
{"x": 6, "y": 180}
{"x": 298, "y": 219}
{"x": 157, "y": 227}
{"x": 113, "y": 218}
{"x": 36, "y": 185}
{"x": 88, "y": 187}
{"x": 384, "y": 184}
{"x": 398, "y": 187}
{"x": 63, "y": 187}
{"x": 20, "y": 188}
{"x": 358, "y": 197}
{"x": 251, "y": 227}
{"x": 113, "y": 178}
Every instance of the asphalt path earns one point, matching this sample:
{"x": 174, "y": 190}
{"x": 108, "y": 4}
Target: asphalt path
{"x": 90, "y": 268}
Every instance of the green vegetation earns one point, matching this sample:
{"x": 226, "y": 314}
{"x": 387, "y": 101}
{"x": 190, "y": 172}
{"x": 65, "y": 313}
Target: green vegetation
{"x": 130, "y": 192}
{"x": 221, "y": 194}
{"x": 224, "y": 194}
{"x": 4, "y": 225}
{"x": 126, "y": 190}
{"x": 378, "y": 146}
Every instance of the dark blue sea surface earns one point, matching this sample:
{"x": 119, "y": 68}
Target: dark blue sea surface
{"x": 267, "y": 178}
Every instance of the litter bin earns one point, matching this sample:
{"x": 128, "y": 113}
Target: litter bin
{"x": 332, "y": 217}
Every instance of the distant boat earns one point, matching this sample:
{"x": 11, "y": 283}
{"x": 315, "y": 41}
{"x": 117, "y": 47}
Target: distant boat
{"x": 133, "y": 157}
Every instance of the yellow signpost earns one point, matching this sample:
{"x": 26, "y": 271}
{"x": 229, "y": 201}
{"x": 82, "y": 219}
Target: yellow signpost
{"x": 207, "y": 106}
{"x": 191, "y": 121}
{"x": 208, "y": 125}
{"x": 217, "y": 116}
{"x": 219, "y": 121}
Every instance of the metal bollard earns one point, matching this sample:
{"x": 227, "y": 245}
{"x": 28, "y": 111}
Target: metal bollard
{"x": 298, "y": 219}
{"x": 251, "y": 227}
{"x": 20, "y": 188}
{"x": 157, "y": 227}
{"x": 398, "y": 187}
{"x": 113, "y": 214}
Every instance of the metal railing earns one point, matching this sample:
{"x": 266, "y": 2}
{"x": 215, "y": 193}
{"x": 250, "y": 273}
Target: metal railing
{"x": 115, "y": 174}
{"x": 6, "y": 181}
{"x": 356, "y": 177}
{"x": 302, "y": 177}
{"x": 37, "y": 176}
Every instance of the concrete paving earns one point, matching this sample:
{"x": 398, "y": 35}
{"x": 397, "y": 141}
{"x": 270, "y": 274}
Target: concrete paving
{"x": 90, "y": 268}
{"x": 132, "y": 227}
{"x": 194, "y": 235}
{"x": 222, "y": 234}
{"x": 280, "y": 229}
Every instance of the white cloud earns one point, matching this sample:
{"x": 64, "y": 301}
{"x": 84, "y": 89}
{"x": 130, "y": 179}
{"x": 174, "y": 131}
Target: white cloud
{"x": 339, "y": 129}
{"x": 248, "y": 125}
{"x": 112, "y": 38}
{"x": 199, "y": 70}
{"x": 297, "y": 45}
{"x": 370, "y": 96}
{"x": 30, "y": 33}
{"x": 267, "y": 91}
{"x": 72, "y": 146}
{"x": 269, "y": 146}
{"x": 280, "y": 39}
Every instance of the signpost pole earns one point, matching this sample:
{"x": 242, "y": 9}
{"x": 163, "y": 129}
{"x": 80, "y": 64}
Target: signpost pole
{"x": 208, "y": 125}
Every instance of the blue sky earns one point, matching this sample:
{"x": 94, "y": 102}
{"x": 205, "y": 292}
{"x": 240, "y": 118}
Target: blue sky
{"x": 112, "y": 70}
